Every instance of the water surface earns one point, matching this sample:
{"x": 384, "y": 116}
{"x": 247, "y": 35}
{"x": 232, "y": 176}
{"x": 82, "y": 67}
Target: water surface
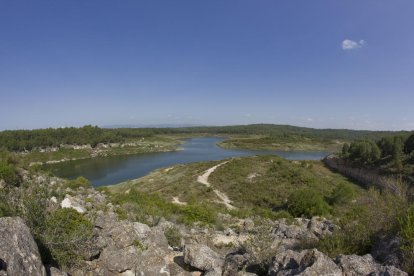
{"x": 116, "y": 169}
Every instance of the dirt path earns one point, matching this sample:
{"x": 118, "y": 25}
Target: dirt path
{"x": 203, "y": 179}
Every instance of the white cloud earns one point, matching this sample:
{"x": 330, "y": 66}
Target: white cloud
{"x": 348, "y": 44}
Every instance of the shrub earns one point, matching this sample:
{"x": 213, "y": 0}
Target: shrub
{"x": 406, "y": 232}
{"x": 198, "y": 213}
{"x": 8, "y": 173}
{"x": 4, "y": 210}
{"x": 307, "y": 202}
{"x": 66, "y": 234}
{"x": 173, "y": 236}
{"x": 342, "y": 194}
{"x": 78, "y": 182}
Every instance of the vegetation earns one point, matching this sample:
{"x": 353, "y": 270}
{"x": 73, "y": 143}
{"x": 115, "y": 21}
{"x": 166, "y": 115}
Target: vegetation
{"x": 8, "y": 173}
{"x": 66, "y": 234}
{"x": 265, "y": 186}
{"x": 173, "y": 236}
{"x": 406, "y": 232}
{"x": 20, "y": 140}
{"x": 149, "y": 208}
{"x": 62, "y": 235}
{"x": 308, "y": 203}
{"x": 78, "y": 182}
{"x": 388, "y": 156}
{"x": 27, "y": 140}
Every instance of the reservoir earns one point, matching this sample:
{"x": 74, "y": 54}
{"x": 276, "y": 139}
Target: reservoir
{"x": 115, "y": 169}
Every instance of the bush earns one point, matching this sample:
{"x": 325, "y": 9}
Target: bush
{"x": 78, "y": 182}
{"x": 198, "y": 213}
{"x": 173, "y": 236}
{"x": 8, "y": 173}
{"x": 308, "y": 203}
{"x": 5, "y": 210}
{"x": 66, "y": 234}
{"x": 342, "y": 194}
{"x": 406, "y": 232}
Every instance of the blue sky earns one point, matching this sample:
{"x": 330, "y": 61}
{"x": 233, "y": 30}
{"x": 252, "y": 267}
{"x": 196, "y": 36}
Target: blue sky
{"x": 319, "y": 63}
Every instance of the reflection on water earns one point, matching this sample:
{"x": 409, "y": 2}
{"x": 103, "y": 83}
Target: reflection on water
{"x": 115, "y": 169}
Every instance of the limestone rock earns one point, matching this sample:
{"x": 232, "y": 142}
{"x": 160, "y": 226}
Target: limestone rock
{"x": 306, "y": 262}
{"x": 234, "y": 263}
{"x": 74, "y": 203}
{"x": 203, "y": 258}
{"x": 119, "y": 260}
{"x": 365, "y": 265}
{"x": 19, "y": 254}
{"x": 150, "y": 263}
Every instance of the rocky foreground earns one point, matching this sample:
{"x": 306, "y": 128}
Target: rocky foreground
{"x": 125, "y": 247}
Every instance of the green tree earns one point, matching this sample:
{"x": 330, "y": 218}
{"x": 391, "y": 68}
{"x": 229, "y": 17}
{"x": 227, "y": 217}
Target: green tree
{"x": 409, "y": 145}
{"x": 364, "y": 151}
{"x": 397, "y": 152}
{"x": 345, "y": 150}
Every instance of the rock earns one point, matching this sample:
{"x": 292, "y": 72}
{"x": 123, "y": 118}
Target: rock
{"x": 388, "y": 251}
{"x": 74, "y": 203}
{"x": 155, "y": 238}
{"x": 19, "y": 254}
{"x": 105, "y": 220}
{"x": 234, "y": 263}
{"x": 364, "y": 265}
{"x": 53, "y": 271}
{"x": 150, "y": 263}
{"x": 306, "y": 262}
{"x": 248, "y": 225}
{"x": 203, "y": 258}
{"x": 119, "y": 260}
{"x": 53, "y": 199}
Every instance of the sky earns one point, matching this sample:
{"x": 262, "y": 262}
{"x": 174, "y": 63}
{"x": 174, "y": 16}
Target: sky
{"x": 319, "y": 63}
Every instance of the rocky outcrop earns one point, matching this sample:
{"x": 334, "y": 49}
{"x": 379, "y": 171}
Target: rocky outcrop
{"x": 291, "y": 234}
{"x": 19, "y": 254}
{"x": 313, "y": 262}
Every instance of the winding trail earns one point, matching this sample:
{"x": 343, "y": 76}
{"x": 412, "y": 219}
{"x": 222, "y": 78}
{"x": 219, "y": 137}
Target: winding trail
{"x": 203, "y": 179}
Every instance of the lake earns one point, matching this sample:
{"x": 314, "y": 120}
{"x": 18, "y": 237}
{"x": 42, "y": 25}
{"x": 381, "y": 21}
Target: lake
{"x": 116, "y": 169}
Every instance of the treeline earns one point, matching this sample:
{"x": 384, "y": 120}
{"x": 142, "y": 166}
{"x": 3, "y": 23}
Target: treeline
{"x": 289, "y": 131}
{"x": 20, "y": 140}
{"x": 395, "y": 151}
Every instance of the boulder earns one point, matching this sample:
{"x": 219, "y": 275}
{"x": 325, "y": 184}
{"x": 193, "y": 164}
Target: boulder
{"x": 74, "y": 203}
{"x": 19, "y": 254}
{"x": 388, "y": 251}
{"x": 119, "y": 260}
{"x": 365, "y": 265}
{"x": 306, "y": 262}
{"x": 53, "y": 271}
{"x": 151, "y": 263}
{"x": 234, "y": 263}
{"x": 203, "y": 258}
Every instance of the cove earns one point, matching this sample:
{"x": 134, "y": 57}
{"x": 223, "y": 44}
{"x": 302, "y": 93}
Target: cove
{"x": 115, "y": 169}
